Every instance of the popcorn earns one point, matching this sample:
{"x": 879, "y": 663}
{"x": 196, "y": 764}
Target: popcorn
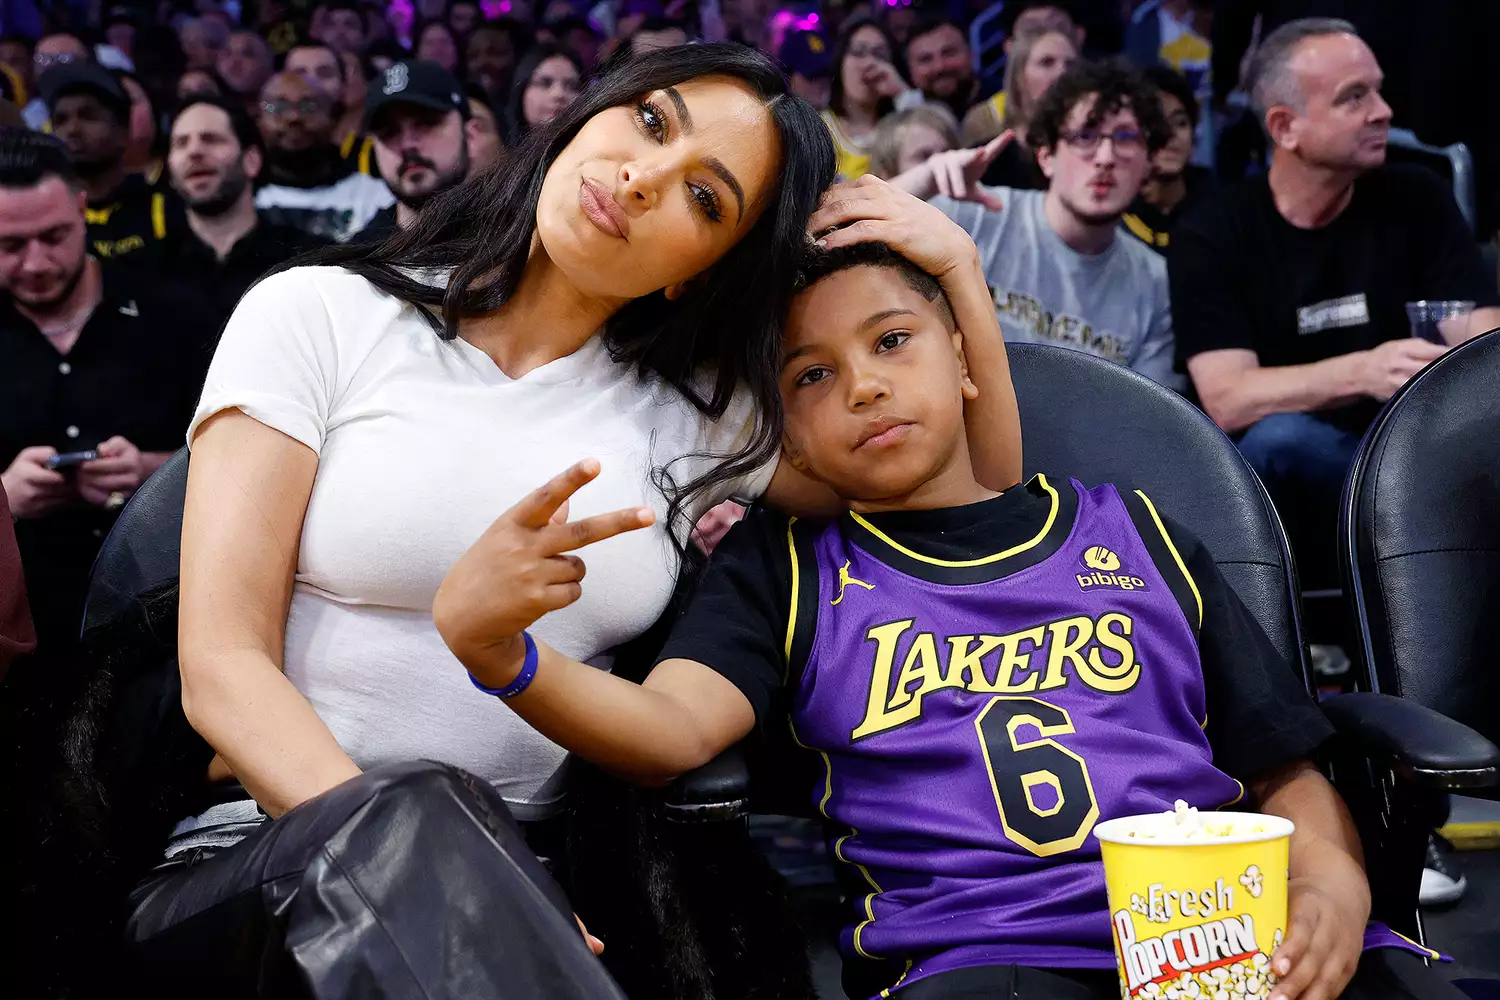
{"x": 1196, "y": 901}
{"x": 1184, "y": 822}
{"x": 1236, "y": 981}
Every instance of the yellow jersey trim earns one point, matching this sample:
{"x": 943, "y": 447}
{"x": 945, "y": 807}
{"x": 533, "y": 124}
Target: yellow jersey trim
{"x": 99, "y": 216}
{"x": 17, "y": 86}
{"x": 791, "y": 615}
{"x": 159, "y": 215}
{"x": 347, "y": 146}
{"x": 1176, "y": 556}
{"x": 897, "y": 984}
{"x": 838, "y": 846}
{"x": 1140, "y": 229}
{"x": 366, "y": 151}
{"x": 983, "y": 560}
{"x": 1425, "y": 950}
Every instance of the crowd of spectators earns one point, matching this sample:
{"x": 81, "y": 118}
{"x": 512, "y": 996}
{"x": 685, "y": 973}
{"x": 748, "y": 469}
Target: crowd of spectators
{"x": 1207, "y": 203}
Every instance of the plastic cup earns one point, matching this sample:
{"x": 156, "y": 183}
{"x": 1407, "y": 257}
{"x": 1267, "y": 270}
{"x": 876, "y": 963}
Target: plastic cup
{"x": 1196, "y": 917}
{"x": 1426, "y": 314}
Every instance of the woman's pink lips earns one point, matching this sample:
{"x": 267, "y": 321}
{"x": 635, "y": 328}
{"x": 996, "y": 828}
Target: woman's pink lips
{"x": 602, "y": 209}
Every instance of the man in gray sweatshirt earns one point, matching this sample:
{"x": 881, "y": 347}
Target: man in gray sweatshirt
{"x": 1056, "y": 265}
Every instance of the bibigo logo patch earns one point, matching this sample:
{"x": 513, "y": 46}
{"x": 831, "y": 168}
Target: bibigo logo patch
{"x": 1105, "y": 572}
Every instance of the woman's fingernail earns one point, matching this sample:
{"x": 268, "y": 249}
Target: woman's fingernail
{"x": 821, "y": 244}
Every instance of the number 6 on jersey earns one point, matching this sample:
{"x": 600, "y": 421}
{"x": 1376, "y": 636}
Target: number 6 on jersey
{"x": 1042, "y": 788}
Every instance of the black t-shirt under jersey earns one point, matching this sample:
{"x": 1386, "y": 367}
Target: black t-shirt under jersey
{"x": 1259, "y": 714}
{"x": 1243, "y": 277}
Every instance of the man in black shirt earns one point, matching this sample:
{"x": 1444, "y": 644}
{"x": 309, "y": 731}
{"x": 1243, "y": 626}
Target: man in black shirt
{"x": 213, "y": 160}
{"x": 99, "y": 371}
{"x": 1289, "y": 291}
{"x": 91, "y": 115}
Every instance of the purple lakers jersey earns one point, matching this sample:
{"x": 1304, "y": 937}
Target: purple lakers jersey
{"x": 975, "y": 720}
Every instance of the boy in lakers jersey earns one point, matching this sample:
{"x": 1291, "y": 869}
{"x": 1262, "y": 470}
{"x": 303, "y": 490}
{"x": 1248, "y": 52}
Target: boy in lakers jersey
{"x": 983, "y": 678}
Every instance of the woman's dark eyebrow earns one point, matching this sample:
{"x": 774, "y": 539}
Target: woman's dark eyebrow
{"x": 727, "y": 176}
{"x": 685, "y": 126}
{"x": 684, "y": 116}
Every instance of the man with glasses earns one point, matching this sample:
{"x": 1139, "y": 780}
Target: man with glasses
{"x": 50, "y": 52}
{"x": 1057, "y": 266}
{"x": 309, "y": 185}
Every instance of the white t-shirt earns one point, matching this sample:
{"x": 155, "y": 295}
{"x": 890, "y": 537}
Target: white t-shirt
{"x": 335, "y": 212}
{"x": 421, "y": 444}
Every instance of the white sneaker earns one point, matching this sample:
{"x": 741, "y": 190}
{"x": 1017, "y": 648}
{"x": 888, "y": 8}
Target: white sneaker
{"x": 1442, "y": 884}
{"x": 1328, "y": 661}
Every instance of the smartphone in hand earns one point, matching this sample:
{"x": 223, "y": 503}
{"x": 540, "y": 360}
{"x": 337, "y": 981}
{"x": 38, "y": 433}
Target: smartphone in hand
{"x": 71, "y": 459}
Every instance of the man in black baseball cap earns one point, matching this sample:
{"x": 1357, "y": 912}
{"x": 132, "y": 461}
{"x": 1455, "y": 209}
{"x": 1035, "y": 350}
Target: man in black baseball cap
{"x": 418, "y": 114}
{"x": 91, "y": 114}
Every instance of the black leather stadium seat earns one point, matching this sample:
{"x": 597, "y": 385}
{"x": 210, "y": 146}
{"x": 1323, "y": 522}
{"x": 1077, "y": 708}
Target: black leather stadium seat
{"x": 143, "y": 548}
{"x": 1103, "y": 423}
{"x": 1420, "y": 540}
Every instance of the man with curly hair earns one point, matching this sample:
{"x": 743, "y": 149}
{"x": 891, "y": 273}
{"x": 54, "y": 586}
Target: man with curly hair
{"x": 1056, "y": 266}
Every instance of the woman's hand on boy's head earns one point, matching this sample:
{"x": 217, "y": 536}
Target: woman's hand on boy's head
{"x": 1324, "y": 939}
{"x": 520, "y": 568}
{"x": 870, "y": 210}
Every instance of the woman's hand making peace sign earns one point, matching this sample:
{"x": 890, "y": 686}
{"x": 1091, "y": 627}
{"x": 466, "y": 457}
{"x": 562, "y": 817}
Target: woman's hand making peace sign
{"x": 520, "y": 569}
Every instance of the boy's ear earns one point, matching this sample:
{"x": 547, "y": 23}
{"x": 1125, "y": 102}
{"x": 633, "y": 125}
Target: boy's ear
{"x": 793, "y": 455}
{"x": 674, "y": 292}
{"x": 966, "y": 384}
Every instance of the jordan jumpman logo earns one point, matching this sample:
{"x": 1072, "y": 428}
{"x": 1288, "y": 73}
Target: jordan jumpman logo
{"x": 845, "y": 579}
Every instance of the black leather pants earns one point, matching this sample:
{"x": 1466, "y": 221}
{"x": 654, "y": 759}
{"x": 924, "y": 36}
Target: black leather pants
{"x": 408, "y": 881}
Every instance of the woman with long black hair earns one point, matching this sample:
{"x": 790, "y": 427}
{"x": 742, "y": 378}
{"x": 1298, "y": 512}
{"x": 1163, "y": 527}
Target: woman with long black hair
{"x": 547, "y": 80}
{"x": 612, "y": 290}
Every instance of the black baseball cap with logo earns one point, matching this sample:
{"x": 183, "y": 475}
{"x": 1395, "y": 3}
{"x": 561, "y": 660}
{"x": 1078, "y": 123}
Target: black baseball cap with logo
{"x": 79, "y": 77}
{"x": 418, "y": 82}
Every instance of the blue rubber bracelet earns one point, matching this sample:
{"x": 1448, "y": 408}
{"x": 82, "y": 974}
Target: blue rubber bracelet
{"x": 523, "y": 679}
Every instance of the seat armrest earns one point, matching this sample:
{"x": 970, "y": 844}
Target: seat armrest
{"x": 715, "y": 792}
{"x": 1421, "y": 745}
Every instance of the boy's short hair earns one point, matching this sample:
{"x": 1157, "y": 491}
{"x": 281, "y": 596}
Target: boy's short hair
{"x": 1115, "y": 85}
{"x": 818, "y": 264}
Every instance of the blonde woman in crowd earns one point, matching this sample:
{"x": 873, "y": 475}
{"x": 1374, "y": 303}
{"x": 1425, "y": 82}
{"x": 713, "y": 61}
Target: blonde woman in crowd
{"x": 907, "y": 138}
{"x": 1036, "y": 60}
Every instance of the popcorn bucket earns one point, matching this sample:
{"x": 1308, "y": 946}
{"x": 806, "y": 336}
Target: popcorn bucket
{"x": 1197, "y": 903}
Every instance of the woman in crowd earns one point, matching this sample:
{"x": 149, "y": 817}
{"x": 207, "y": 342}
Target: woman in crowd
{"x": 435, "y": 41}
{"x": 144, "y": 148}
{"x": 546, "y": 82}
{"x": 865, "y": 86}
{"x": 905, "y": 139}
{"x": 200, "y": 81}
{"x": 611, "y": 291}
{"x": 1036, "y": 60}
